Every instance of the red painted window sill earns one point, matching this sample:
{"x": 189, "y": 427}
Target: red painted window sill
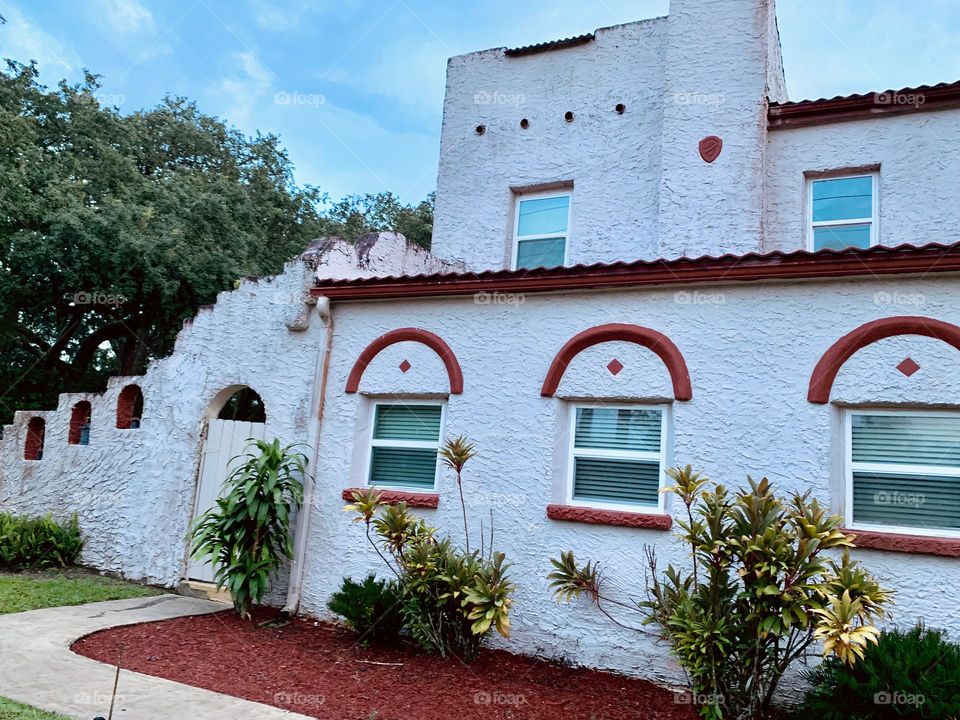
{"x": 918, "y": 544}
{"x": 393, "y": 497}
{"x": 571, "y": 513}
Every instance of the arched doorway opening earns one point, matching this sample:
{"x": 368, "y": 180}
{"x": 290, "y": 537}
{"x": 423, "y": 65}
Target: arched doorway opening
{"x": 236, "y": 416}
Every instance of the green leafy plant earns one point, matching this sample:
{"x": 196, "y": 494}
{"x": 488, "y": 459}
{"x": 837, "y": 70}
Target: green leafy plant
{"x": 452, "y": 598}
{"x": 372, "y": 608}
{"x": 247, "y": 534}
{"x": 908, "y": 674}
{"x": 761, "y": 588}
{"x": 41, "y": 542}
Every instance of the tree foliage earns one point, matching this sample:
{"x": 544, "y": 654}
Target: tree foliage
{"x": 115, "y": 227}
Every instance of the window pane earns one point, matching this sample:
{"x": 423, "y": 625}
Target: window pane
{"x": 407, "y": 422}
{"x": 906, "y": 439}
{"x": 403, "y": 467}
{"x": 921, "y": 501}
{"x": 839, "y": 237}
{"x": 541, "y": 253}
{"x": 618, "y": 429}
{"x": 616, "y": 481}
{"x": 544, "y": 216}
{"x": 843, "y": 199}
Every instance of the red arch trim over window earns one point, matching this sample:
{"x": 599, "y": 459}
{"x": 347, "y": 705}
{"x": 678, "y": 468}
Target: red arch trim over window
{"x": 825, "y": 373}
{"x": 434, "y": 342}
{"x": 651, "y": 339}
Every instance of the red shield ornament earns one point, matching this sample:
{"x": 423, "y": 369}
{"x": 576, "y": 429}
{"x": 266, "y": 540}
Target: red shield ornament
{"x": 710, "y": 148}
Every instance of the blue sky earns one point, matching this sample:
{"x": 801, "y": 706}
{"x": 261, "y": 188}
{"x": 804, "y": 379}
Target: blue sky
{"x": 354, "y": 87}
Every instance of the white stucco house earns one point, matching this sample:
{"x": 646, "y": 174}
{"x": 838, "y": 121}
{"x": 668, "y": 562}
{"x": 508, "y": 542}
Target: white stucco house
{"x": 644, "y": 256}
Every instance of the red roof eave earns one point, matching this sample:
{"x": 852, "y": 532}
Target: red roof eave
{"x": 798, "y": 265}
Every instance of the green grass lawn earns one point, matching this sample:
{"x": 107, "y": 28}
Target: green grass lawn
{"x": 51, "y": 588}
{"x": 10, "y": 710}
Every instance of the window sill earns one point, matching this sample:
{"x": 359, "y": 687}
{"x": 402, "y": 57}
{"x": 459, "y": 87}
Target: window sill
{"x": 596, "y": 516}
{"x": 394, "y": 497}
{"x": 916, "y": 544}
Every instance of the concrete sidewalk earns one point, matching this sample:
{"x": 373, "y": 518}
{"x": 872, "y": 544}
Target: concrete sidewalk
{"x": 38, "y": 668}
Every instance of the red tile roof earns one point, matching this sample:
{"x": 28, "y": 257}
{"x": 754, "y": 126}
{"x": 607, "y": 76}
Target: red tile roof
{"x": 867, "y": 105}
{"x": 797, "y": 265}
{"x": 551, "y": 45}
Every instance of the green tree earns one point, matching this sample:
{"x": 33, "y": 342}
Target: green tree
{"x": 115, "y": 227}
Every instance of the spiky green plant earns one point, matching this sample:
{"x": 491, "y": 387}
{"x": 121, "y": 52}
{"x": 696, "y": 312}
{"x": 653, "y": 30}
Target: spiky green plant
{"x": 247, "y": 534}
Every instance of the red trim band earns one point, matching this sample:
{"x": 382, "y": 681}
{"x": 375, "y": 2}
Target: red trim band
{"x": 393, "y": 497}
{"x": 434, "y": 342}
{"x": 825, "y": 373}
{"x": 651, "y": 339}
{"x": 917, "y": 544}
{"x": 752, "y": 267}
{"x": 595, "y": 516}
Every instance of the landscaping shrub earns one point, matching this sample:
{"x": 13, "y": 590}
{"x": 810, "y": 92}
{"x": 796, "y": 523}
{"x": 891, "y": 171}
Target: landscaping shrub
{"x": 913, "y": 673}
{"x": 759, "y": 592}
{"x": 452, "y": 597}
{"x": 34, "y": 543}
{"x": 247, "y": 534}
{"x": 372, "y": 608}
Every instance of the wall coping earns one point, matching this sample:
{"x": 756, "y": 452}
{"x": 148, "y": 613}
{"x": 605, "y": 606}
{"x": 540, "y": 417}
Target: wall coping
{"x": 621, "y": 518}
{"x": 896, "y": 542}
{"x": 394, "y": 497}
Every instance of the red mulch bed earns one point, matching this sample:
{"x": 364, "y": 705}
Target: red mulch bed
{"x": 317, "y": 669}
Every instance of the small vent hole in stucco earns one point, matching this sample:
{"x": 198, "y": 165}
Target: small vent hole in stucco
{"x": 568, "y": 116}
{"x": 620, "y": 108}
{"x": 524, "y": 123}
{"x": 481, "y": 129}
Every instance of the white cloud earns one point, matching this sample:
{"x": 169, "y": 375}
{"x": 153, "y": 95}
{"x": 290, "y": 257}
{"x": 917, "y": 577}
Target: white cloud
{"x": 24, "y": 41}
{"x": 127, "y": 16}
{"x": 245, "y": 85}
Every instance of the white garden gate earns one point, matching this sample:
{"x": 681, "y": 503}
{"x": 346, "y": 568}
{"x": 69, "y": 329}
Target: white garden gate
{"x": 224, "y": 443}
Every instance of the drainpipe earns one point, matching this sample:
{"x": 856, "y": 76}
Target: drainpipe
{"x": 295, "y": 587}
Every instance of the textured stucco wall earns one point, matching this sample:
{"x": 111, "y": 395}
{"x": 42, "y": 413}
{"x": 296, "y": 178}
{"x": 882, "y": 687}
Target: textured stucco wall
{"x": 750, "y": 350}
{"x": 612, "y": 160}
{"x": 919, "y": 186}
{"x": 133, "y": 489}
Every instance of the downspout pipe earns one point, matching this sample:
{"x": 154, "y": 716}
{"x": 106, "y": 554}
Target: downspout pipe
{"x": 295, "y": 586}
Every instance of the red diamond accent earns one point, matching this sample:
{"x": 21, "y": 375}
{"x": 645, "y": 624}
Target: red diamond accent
{"x": 404, "y": 366}
{"x": 908, "y": 367}
{"x": 615, "y": 366}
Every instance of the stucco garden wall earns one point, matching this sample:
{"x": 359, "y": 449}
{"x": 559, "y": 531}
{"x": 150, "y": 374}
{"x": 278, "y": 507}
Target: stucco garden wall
{"x": 919, "y": 164}
{"x": 750, "y": 351}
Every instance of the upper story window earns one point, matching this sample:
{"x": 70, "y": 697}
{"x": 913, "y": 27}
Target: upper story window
{"x": 404, "y": 445}
{"x": 903, "y": 471}
{"x": 617, "y": 457}
{"x": 541, "y": 230}
{"x": 842, "y": 212}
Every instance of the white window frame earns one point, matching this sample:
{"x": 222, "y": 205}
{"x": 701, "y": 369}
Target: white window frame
{"x": 889, "y": 468}
{"x": 574, "y": 452}
{"x": 873, "y": 221}
{"x": 418, "y": 444}
{"x": 545, "y": 195}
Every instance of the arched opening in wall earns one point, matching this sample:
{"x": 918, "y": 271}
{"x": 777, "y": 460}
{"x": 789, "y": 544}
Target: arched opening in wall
{"x": 129, "y": 408}
{"x": 235, "y": 417}
{"x": 33, "y": 447}
{"x": 80, "y": 424}
{"x": 243, "y": 406}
